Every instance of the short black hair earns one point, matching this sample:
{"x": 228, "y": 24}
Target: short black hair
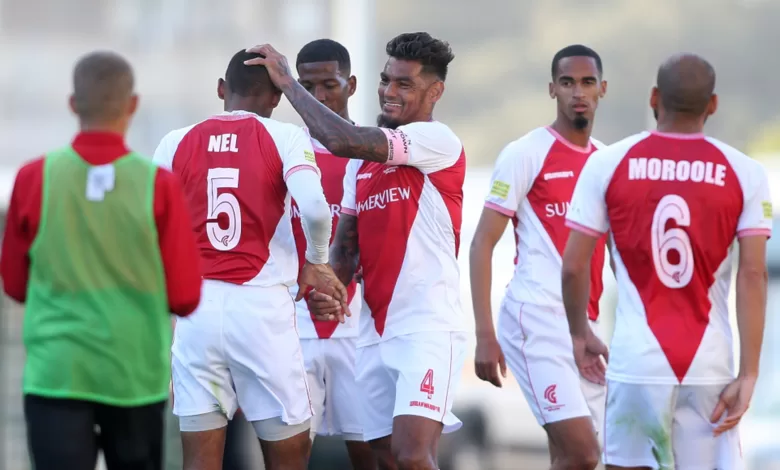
{"x": 102, "y": 83}
{"x": 325, "y": 50}
{"x": 435, "y": 55}
{"x": 247, "y": 80}
{"x": 686, "y": 83}
{"x": 575, "y": 50}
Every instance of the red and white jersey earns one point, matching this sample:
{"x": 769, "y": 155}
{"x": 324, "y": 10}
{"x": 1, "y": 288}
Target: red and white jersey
{"x": 532, "y": 183}
{"x": 409, "y": 214}
{"x": 674, "y": 205}
{"x": 332, "y": 169}
{"x": 233, "y": 168}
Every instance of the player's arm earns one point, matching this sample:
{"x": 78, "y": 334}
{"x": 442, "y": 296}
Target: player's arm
{"x": 339, "y": 136}
{"x": 302, "y": 178}
{"x": 753, "y": 229}
{"x": 508, "y": 186}
{"x": 179, "y": 252}
{"x": 344, "y": 251}
{"x": 587, "y": 219}
{"x": 751, "y": 287}
{"x": 19, "y": 232}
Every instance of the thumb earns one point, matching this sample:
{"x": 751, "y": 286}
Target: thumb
{"x": 304, "y": 289}
{"x": 502, "y": 365}
{"x": 717, "y": 414}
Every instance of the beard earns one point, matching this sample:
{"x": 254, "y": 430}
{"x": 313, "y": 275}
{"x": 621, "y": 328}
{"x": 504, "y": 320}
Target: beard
{"x": 386, "y": 122}
{"x": 580, "y": 122}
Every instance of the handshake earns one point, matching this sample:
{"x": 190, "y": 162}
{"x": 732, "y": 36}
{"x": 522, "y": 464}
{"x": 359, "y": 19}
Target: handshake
{"x": 325, "y": 294}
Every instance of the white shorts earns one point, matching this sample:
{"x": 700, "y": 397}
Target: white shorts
{"x": 667, "y": 427}
{"x": 330, "y": 368}
{"x": 240, "y": 348}
{"x": 415, "y": 374}
{"x": 538, "y": 350}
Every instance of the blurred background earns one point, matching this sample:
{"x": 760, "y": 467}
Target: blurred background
{"x": 496, "y": 92}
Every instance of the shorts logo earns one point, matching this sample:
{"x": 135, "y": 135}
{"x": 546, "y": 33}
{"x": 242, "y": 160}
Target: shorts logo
{"x": 426, "y": 386}
{"x": 549, "y": 394}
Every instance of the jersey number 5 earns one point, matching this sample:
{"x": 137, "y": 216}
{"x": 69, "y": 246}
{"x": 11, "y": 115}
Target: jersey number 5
{"x": 678, "y": 274}
{"x": 223, "y": 239}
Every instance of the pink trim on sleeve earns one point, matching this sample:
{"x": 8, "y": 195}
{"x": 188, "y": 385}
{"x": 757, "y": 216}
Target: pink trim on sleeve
{"x": 397, "y": 147}
{"x": 348, "y": 211}
{"x": 298, "y": 168}
{"x": 754, "y": 232}
{"x": 583, "y": 229}
{"x": 499, "y": 209}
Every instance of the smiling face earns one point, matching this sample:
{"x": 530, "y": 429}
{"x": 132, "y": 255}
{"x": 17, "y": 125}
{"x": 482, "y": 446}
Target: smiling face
{"x": 407, "y": 93}
{"x": 577, "y": 88}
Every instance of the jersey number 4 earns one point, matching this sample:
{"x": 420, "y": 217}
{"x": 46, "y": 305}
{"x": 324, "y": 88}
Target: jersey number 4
{"x": 223, "y": 239}
{"x": 674, "y": 275}
{"x": 427, "y": 383}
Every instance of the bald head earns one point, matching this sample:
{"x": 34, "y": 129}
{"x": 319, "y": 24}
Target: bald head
{"x": 685, "y": 84}
{"x": 102, "y": 88}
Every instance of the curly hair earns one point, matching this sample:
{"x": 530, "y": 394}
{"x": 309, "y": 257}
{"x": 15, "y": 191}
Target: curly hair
{"x": 434, "y": 54}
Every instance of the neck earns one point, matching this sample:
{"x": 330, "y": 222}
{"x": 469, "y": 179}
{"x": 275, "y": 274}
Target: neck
{"x": 345, "y": 115}
{"x": 247, "y": 105}
{"x": 675, "y": 123}
{"x": 112, "y": 127}
{"x": 579, "y": 137}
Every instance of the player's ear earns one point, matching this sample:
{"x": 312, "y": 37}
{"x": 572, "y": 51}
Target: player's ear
{"x": 551, "y": 87}
{"x": 275, "y": 99}
{"x": 72, "y": 104}
{"x": 654, "y": 98}
{"x": 713, "y": 105}
{"x": 132, "y": 105}
{"x": 221, "y": 89}
{"x": 351, "y": 85}
{"x": 435, "y": 91}
{"x": 603, "y": 89}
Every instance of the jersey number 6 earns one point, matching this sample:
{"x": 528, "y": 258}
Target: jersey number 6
{"x": 223, "y": 239}
{"x": 673, "y": 275}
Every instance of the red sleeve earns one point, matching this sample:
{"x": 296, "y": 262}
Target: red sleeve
{"x": 180, "y": 255}
{"x": 24, "y": 214}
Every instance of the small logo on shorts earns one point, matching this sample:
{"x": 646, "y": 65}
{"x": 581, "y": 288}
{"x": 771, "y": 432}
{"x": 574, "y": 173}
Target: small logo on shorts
{"x": 549, "y": 394}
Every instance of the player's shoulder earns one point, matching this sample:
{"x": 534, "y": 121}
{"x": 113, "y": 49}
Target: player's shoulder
{"x": 177, "y": 135}
{"x": 433, "y": 133}
{"x": 535, "y": 143}
{"x": 597, "y": 144}
{"x": 620, "y": 148}
{"x": 281, "y": 131}
{"x": 30, "y": 170}
{"x": 736, "y": 158}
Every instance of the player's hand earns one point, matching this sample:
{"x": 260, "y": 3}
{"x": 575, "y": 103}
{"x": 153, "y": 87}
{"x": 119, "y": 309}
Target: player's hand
{"x": 276, "y": 63}
{"x": 733, "y": 402}
{"x": 323, "y": 306}
{"x": 322, "y": 278}
{"x": 489, "y": 360}
{"x": 588, "y": 351}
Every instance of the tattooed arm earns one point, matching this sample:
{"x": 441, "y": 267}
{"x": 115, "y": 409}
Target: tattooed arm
{"x": 344, "y": 249}
{"x": 340, "y": 137}
{"x": 337, "y": 135}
